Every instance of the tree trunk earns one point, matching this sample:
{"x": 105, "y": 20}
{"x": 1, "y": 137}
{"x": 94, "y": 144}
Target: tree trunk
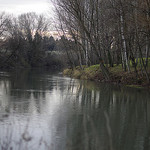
{"x": 124, "y": 55}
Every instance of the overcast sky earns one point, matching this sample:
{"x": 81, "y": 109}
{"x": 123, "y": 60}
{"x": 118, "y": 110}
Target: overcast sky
{"x": 17, "y": 7}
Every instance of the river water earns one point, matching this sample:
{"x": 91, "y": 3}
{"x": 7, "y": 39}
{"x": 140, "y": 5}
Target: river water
{"x": 42, "y": 110}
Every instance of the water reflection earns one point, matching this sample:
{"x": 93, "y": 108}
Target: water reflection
{"x": 128, "y": 127}
{"x": 43, "y": 110}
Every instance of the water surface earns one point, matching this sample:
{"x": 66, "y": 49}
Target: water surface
{"x": 43, "y": 110}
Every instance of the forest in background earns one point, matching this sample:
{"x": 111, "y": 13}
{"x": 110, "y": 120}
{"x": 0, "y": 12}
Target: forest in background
{"x": 25, "y": 42}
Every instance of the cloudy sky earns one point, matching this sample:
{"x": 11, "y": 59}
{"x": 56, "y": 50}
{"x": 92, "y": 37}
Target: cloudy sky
{"x": 17, "y": 7}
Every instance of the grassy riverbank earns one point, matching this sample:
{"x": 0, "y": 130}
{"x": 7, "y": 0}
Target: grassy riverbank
{"x": 118, "y": 76}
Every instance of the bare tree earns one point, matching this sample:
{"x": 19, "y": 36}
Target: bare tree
{"x": 80, "y": 15}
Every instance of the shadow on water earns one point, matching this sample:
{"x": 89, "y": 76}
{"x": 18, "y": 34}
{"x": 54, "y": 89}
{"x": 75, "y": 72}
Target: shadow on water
{"x": 110, "y": 118}
{"x": 43, "y": 110}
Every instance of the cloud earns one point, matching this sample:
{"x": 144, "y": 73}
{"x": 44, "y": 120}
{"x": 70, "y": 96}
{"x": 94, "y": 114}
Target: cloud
{"x": 18, "y": 2}
{"x": 18, "y": 6}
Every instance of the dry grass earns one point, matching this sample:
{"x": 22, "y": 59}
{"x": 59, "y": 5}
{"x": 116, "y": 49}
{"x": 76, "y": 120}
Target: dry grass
{"x": 118, "y": 76}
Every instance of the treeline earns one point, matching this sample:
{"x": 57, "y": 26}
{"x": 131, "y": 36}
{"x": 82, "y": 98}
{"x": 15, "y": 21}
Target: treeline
{"x": 25, "y": 41}
{"x": 108, "y": 32}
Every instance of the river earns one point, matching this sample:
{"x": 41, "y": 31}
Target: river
{"x": 42, "y": 110}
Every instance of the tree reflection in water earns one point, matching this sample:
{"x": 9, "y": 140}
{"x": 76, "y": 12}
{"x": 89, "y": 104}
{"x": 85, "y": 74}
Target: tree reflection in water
{"x": 41, "y": 110}
{"x": 128, "y": 127}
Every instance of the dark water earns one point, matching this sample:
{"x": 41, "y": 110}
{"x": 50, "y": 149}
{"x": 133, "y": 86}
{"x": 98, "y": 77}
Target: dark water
{"x": 42, "y": 110}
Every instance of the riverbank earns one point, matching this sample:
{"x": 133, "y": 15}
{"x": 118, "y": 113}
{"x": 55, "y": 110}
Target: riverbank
{"x": 118, "y": 76}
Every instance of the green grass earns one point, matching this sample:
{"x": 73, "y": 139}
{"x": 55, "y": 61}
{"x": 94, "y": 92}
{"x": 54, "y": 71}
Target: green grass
{"x": 138, "y": 62}
{"x": 91, "y": 72}
{"x": 77, "y": 73}
{"x": 117, "y": 75}
{"x": 87, "y": 72}
{"x": 116, "y": 69}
